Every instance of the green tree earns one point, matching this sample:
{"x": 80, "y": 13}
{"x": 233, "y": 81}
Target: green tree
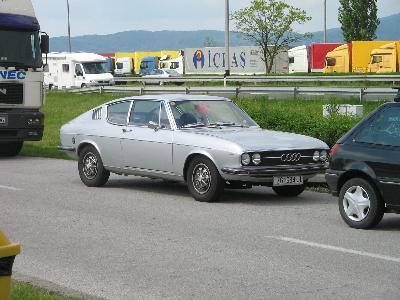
{"x": 269, "y": 24}
{"x": 209, "y": 42}
{"x": 359, "y": 19}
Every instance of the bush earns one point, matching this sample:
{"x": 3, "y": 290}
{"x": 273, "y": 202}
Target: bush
{"x": 302, "y": 116}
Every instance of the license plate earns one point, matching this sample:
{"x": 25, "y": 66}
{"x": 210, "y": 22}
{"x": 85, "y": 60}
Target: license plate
{"x": 3, "y": 120}
{"x": 288, "y": 180}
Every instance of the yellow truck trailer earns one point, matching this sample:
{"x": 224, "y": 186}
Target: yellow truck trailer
{"x": 353, "y": 57}
{"x": 385, "y": 59}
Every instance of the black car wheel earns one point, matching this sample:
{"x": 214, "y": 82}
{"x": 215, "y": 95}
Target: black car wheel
{"x": 204, "y": 182}
{"x": 91, "y": 169}
{"x": 10, "y": 149}
{"x": 360, "y": 205}
{"x": 289, "y": 191}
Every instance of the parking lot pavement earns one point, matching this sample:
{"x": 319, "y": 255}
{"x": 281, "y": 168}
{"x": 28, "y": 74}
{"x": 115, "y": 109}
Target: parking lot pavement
{"x": 141, "y": 238}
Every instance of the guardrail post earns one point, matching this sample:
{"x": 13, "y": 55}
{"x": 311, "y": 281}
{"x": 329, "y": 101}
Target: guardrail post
{"x": 362, "y": 93}
{"x": 101, "y": 90}
{"x": 187, "y": 91}
{"x": 295, "y": 90}
{"x": 141, "y": 91}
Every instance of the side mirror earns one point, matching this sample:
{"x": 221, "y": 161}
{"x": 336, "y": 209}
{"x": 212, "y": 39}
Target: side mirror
{"x": 153, "y": 125}
{"x": 45, "y": 44}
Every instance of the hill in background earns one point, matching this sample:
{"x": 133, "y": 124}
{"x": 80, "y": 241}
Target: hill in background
{"x": 158, "y": 40}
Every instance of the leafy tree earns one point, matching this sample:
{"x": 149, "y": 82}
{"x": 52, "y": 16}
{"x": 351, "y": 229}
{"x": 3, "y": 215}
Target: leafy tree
{"x": 359, "y": 19}
{"x": 269, "y": 24}
{"x": 209, "y": 42}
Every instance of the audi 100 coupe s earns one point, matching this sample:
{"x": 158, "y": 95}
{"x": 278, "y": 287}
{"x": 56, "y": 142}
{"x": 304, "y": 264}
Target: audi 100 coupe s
{"x": 207, "y": 142}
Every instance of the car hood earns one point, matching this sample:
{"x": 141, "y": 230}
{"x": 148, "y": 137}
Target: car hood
{"x": 256, "y": 139}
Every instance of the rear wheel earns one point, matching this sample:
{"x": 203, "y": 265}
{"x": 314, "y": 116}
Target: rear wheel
{"x": 204, "y": 181}
{"x": 10, "y": 149}
{"x": 91, "y": 169}
{"x": 289, "y": 191}
{"x": 360, "y": 205}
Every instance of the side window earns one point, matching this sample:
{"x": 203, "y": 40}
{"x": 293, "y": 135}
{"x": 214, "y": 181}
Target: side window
{"x": 144, "y": 112}
{"x": 383, "y": 130}
{"x": 164, "y": 121}
{"x": 291, "y": 60}
{"x": 118, "y": 113}
{"x": 78, "y": 70}
{"x": 65, "y": 68}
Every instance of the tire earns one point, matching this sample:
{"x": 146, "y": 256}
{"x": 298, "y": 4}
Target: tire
{"x": 369, "y": 208}
{"x": 83, "y": 86}
{"x": 10, "y": 149}
{"x": 289, "y": 191}
{"x": 211, "y": 186}
{"x": 91, "y": 169}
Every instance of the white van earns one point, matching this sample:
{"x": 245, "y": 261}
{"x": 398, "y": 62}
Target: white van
{"x": 177, "y": 64}
{"x": 76, "y": 70}
{"x": 298, "y": 60}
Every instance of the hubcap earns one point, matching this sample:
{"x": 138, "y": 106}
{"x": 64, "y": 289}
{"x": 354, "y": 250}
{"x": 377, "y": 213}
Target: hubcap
{"x": 356, "y": 203}
{"x": 90, "y": 165}
{"x": 201, "y": 179}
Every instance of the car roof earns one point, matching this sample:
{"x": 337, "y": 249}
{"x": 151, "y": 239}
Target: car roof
{"x": 171, "y": 98}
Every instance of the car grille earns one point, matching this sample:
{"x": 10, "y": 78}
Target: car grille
{"x": 11, "y": 93}
{"x": 290, "y": 157}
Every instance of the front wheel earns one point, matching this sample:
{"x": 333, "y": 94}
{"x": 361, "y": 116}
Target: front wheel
{"x": 289, "y": 191}
{"x": 91, "y": 169}
{"x": 10, "y": 149}
{"x": 204, "y": 181}
{"x": 360, "y": 205}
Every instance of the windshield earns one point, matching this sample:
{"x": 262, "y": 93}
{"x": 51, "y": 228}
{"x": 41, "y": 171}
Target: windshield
{"x": 20, "y": 49}
{"x": 219, "y": 113}
{"x": 95, "y": 68}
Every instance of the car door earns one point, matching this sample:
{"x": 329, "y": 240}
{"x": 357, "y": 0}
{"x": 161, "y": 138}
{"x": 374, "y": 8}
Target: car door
{"x": 378, "y": 144}
{"x": 147, "y": 144}
{"x": 110, "y": 135}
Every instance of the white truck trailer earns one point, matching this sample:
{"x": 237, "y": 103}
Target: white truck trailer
{"x": 76, "y": 70}
{"x": 21, "y": 76}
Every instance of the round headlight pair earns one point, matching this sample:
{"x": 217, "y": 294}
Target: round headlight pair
{"x": 255, "y": 158}
{"x": 320, "y": 156}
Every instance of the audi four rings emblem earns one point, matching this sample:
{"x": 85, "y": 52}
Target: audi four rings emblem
{"x": 291, "y": 157}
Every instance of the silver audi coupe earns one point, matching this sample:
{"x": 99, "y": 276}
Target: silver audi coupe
{"x": 207, "y": 142}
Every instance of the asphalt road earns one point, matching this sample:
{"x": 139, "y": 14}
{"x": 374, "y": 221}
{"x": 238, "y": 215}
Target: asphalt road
{"x": 141, "y": 238}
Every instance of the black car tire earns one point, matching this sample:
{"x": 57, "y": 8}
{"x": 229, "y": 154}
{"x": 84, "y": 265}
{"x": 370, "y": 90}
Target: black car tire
{"x": 10, "y": 149}
{"x": 212, "y": 187}
{"x": 91, "y": 169}
{"x": 289, "y": 191}
{"x": 376, "y": 209}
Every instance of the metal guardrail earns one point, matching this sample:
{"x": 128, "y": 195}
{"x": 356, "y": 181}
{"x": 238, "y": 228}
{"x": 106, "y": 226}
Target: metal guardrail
{"x": 266, "y": 79}
{"x": 272, "y": 92}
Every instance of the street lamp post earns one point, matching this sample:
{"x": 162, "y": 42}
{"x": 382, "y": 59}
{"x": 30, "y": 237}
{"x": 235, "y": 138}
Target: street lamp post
{"x": 69, "y": 29}
{"x": 325, "y": 33}
{"x": 227, "y": 46}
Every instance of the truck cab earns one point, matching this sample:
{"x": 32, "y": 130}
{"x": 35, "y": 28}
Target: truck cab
{"x": 21, "y": 76}
{"x": 124, "y": 66}
{"x": 148, "y": 64}
{"x": 338, "y": 60}
{"x": 385, "y": 59}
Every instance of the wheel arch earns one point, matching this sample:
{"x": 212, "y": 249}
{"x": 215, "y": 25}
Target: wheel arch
{"x": 192, "y": 155}
{"x": 358, "y": 174}
{"x": 85, "y": 143}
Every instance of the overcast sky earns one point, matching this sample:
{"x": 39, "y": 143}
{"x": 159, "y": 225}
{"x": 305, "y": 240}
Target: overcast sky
{"x": 105, "y": 16}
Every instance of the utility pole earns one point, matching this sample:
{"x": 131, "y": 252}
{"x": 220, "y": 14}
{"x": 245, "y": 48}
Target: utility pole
{"x": 227, "y": 46}
{"x": 325, "y": 32}
{"x": 69, "y": 29}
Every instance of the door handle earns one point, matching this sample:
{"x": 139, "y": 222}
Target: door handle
{"x": 126, "y": 130}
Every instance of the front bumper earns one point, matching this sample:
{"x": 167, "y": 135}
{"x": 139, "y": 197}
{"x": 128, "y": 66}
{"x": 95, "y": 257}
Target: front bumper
{"x": 265, "y": 174}
{"x": 332, "y": 179}
{"x": 16, "y": 127}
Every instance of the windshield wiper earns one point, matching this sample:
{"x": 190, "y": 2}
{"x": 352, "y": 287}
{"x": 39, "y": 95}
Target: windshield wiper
{"x": 194, "y": 125}
{"x": 228, "y": 124}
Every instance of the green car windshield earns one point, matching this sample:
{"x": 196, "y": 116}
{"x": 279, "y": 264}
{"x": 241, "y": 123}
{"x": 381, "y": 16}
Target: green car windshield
{"x": 218, "y": 113}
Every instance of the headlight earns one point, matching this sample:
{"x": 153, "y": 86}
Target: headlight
{"x": 246, "y": 159}
{"x": 256, "y": 159}
{"x": 316, "y": 156}
{"x": 323, "y": 156}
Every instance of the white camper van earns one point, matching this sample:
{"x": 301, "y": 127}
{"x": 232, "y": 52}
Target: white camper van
{"x": 298, "y": 60}
{"x": 77, "y": 70}
{"x": 177, "y": 64}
